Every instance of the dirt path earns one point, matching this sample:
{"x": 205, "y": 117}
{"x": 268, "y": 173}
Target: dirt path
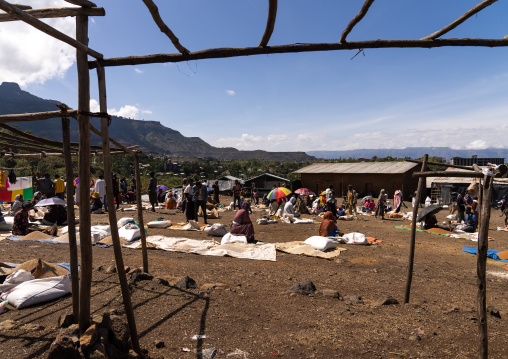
{"x": 249, "y": 311}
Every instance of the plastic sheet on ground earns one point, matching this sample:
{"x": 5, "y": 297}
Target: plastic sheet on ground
{"x": 490, "y": 253}
{"x": 210, "y": 248}
{"x": 297, "y": 247}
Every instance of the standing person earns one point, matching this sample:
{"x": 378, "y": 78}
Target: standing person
{"x": 123, "y": 186}
{"x": 330, "y": 200}
{"x": 200, "y": 197}
{"x": 189, "y": 204}
{"x": 133, "y": 184}
{"x": 59, "y": 187}
{"x": 215, "y": 188}
{"x": 116, "y": 190}
{"x": 351, "y": 200}
{"x": 46, "y": 186}
{"x": 397, "y": 200}
{"x": 152, "y": 190}
{"x": 254, "y": 194}
{"x": 183, "y": 200}
{"x": 461, "y": 206}
{"x": 381, "y": 202}
{"x": 100, "y": 188}
{"x": 236, "y": 194}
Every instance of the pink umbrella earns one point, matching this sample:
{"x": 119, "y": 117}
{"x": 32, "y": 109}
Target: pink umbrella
{"x": 304, "y": 191}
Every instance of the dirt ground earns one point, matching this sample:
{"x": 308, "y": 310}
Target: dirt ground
{"x": 249, "y": 314}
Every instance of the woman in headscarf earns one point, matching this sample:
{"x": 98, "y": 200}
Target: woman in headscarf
{"x": 397, "y": 200}
{"x": 381, "y": 202}
{"x": 37, "y": 198}
{"x": 242, "y": 225}
{"x": 21, "y": 224}
{"x": 289, "y": 208}
{"x": 16, "y": 205}
{"x": 328, "y": 227}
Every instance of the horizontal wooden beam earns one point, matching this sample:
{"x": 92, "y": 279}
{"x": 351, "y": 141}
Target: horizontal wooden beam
{"x": 448, "y": 174}
{"x": 247, "y": 51}
{"x": 52, "y": 154}
{"x": 469, "y": 168}
{"x": 42, "y": 26}
{"x": 460, "y": 20}
{"x": 56, "y": 12}
{"x": 26, "y": 148}
{"x": 35, "y": 116}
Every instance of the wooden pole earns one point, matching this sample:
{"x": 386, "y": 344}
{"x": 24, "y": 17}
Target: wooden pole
{"x": 140, "y": 213}
{"x": 481, "y": 266}
{"x": 419, "y": 191}
{"x": 51, "y": 31}
{"x": 84, "y": 175}
{"x": 56, "y": 12}
{"x": 71, "y": 222}
{"x": 293, "y": 48}
{"x": 356, "y": 20}
{"x": 448, "y": 174}
{"x": 270, "y": 22}
{"x": 112, "y": 215}
{"x": 22, "y": 117}
{"x": 480, "y": 199}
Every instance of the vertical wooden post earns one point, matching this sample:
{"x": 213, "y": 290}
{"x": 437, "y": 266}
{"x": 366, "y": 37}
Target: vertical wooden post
{"x": 140, "y": 213}
{"x": 480, "y": 199}
{"x": 71, "y": 222}
{"x": 421, "y": 182}
{"x": 481, "y": 266}
{"x": 112, "y": 213}
{"x": 84, "y": 174}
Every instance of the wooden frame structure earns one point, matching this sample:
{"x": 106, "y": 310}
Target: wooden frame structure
{"x": 87, "y": 8}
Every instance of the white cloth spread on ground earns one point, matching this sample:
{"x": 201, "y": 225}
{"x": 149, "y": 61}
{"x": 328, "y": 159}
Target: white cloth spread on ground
{"x": 211, "y": 248}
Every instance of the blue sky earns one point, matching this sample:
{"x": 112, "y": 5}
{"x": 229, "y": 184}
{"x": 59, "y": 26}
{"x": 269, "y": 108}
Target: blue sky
{"x": 383, "y": 98}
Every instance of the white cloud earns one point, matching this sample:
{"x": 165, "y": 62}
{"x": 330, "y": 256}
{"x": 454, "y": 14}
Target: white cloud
{"x": 138, "y": 70}
{"x": 230, "y": 92}
{"x": 127, "y": 111}
{"x": 31, "y": 56}
{"x": 94, "y": 106}
{"x": 147, "y": 112}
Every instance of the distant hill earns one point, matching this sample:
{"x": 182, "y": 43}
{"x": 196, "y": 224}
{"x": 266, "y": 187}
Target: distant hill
{"x": 151, "y": 136}
{"x": 412, "y": 152}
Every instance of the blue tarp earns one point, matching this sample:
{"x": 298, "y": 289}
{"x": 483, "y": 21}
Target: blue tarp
{"x": 490, "y": 253}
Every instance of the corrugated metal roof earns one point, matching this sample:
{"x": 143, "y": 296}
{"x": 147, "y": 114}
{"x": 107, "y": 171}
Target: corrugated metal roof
{"x": 359, "y": 168}
{"x": 458, "y": 180}
{"x": 267, "y": 174}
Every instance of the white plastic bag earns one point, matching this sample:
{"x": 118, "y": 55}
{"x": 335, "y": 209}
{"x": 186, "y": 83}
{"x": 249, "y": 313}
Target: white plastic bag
{"x": 321, "y": 243}
{"x": 229, "y": 238}
{"x": 355, "y": 238}
{"x": 14, "y": 279}
{"x": 38, "y": 291}
{"x": 216, "y": 230}
{"x": 159, "y": 224}
{"x": 130, "y": 232}
{"x": 192, "y": 225}
{"x": 123, "y": 221}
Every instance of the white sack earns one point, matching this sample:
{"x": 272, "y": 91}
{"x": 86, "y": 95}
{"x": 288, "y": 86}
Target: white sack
{"x": 123, "y": 221}
{"x": 14, "y": 279}
{"x": 38, "y": 291}
{"x": 159, "y": 224}
{"x": 216, "y": 230}
{"x": 355, "y": 238}
{"x": 229, "y": 238}
{"x": 321, "y": 243}
{"x": 129, "y": 232}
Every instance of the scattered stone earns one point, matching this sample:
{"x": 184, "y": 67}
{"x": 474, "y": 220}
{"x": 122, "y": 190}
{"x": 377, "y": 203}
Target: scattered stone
{"x": 220, "y": 286}
{"x": 111, "y": 269}
{"x": 65, "y": 320}
{"x": 493, "y": 311}
{"x": 330, "y": 293}
{"x": 415, "y": 337}
{"x": 32, "y": 327}
{"x": 207, "y": 286}
{"x": 103, "y": 335}
{"x": 137, "y": 276}
{"x": 133, "y": 355}
{"x": 159, "y": 344}
{"x": 386, "y": 300}
{"x": 161, "y": 281}
{"x": 452, "y": 309}
{"x": 186, "y": 283}
{"x": 353, "y": 298}
{"x": 89, "y": 337}
{"x": 419, "y": 332}
{"x": 303, "y": 288}
{"x": 99, "y": 268}
{"x": 208, "y": 353}
{"x": 8, "y": 325}
{"x": 119, "y": 332}
{"x": 63, "y": 348}
{"x": 97, "y": 351}
{"x": 127, "y": 269}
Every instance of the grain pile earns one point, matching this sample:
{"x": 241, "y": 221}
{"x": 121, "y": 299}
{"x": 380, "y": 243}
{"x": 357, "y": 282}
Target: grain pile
{"x": 36, "y": 236}
{"x": 109, "y": 241}
{"x": 47, "y": 270}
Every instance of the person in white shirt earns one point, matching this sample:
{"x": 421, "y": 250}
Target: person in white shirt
{"x": 100, "y": 187}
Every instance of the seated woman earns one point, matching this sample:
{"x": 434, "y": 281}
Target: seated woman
{"x": 242, "y": 225}
{"x": 289, "y": 208}
{"x": 21, "y": 225}
{"x": 57, "y": 214}
{"x": 471, "y": 221}
{"x": 16, "y": 205}
{"x": 317, "y": 207}
{"x": 430, "y": 221}
{"x": 170, "y": 202}
{"x": 342, "y": 211}
{"x": 37, "y": 198}
{"x": 328, "y": 227}
{"x": 369, "y": 206}
{"x": 96, "y": 203}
